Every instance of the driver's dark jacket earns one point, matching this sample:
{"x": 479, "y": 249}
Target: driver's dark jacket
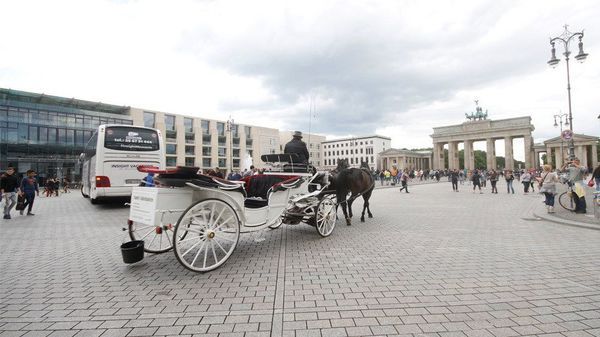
{"x": 298, "y": 147}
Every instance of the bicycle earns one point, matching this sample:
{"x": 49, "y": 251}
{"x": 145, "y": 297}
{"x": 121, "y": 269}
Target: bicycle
{"x": 566, "y": 198}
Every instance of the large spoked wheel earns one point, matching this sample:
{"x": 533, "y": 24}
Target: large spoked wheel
{"x": 566, "y": 201}
{"x": 157, "y": 239}
{"x": 326, "y": 216}
{"x": 207, "y": 233}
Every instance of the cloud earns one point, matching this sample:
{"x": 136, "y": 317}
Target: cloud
{"x": 397, "y": 68}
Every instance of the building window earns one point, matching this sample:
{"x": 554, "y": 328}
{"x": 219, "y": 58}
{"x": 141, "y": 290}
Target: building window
{"x": 236, "y": 153}
{"x": 149, "y": 119}
{"x": 206, "y": 162}
{"x": 190, "y": 138}
{"x": 171, "y": 161}
{"x": 247, "y": 131}
{"x": 222, "y": 152}
{"x": 206, "y": 139}
{"x": 205, "y": 127}
{"x": 222, "y": 140}
{"x": 248, "y": 142}
{"x": 189, "y": 150}
{"x": 222, "y": 163}
{"x": 189, "y": 161}
{"x": 236, "y": 163}
{"x": 234, "y": 130}
{"x": 221, "y": 128}
{"x": 188, "y": 124}
{"x": 171, "y": 149}
{"x": 206, "y": 151}
{"x": 169, "y": 123}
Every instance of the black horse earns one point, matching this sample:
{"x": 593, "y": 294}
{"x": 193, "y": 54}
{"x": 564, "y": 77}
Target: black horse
{"x": 358, "y": 182}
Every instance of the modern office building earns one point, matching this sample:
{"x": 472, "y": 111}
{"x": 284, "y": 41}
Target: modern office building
{"x": 355, "y": 150}
{"x": 313, "y": 143}
{"x": 47, "y": 133}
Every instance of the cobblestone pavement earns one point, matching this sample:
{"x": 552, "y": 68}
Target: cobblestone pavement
{"x": 431, "y": 263}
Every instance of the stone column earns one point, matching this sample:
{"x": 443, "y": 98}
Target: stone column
{"x": 583, "y": 155}
{"x": 469, "y": 159}
{"x": 491, "y": 154}
{"x": 436, "y": 156}
{"x": 549, "y": 157}
{"x": 594, "y": 155}
{"x": 528, "y": 144}
{"x": 559, "y": 156}
{"x": 508, "y": 153}
{"x": 452, "y": 155}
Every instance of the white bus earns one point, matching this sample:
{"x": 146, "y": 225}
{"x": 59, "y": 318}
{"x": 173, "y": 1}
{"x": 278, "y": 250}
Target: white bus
{"x": 111, "y": 157}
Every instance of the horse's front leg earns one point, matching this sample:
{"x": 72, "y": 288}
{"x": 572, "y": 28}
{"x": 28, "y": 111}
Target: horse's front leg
{"x": 342, "y": 201}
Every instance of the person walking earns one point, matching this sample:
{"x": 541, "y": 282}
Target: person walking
{"x": 509, "y": 177}
{"x": 526, "y": 181}
{"x": 454, "y": 177}
{"x": 494, "y": 180}
{"x": 29, "y": 189}
{"x": 547, "y": 182}
{"x": 9, "y": 186}
{"x": 404, "y": 181}
{"x": 476, "y": 178}
{"x": 596, "y": 178}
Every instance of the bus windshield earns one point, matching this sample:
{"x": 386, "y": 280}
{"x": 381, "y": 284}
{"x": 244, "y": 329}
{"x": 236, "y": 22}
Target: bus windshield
{"x": 130, "y": 139}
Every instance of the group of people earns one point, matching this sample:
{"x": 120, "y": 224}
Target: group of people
{"x": 546, "y": 180}
{"x": 11, "y": 188}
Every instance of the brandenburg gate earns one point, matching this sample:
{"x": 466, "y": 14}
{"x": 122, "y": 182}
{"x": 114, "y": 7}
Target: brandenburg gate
{"x": 479, "y": 128}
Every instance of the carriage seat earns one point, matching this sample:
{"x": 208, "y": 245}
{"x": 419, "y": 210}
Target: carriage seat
{"x": 181, "y": 175}
{"x": 258, "y": 186}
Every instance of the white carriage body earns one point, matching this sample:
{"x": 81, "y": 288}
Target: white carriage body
{"x": 201, "y": 217}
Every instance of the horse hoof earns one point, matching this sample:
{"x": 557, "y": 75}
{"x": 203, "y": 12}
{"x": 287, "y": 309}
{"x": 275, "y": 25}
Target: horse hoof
{"x": 362, "y": 219}
{"x": 349, "y": 224}
{"x": 370, "y": 215}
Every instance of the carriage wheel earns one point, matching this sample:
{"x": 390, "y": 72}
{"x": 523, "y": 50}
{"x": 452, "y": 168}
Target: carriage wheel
{"x": 326, "y": 216}
{"x": 157, "y": 239}
{"x": 208, "y": 232}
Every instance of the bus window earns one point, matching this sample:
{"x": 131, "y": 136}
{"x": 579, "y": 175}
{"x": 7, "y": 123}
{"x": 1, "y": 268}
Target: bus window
{"x": 126, "y": 139}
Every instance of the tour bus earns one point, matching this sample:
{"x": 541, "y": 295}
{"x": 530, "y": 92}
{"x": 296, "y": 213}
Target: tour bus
{"x": 111, "y": 157}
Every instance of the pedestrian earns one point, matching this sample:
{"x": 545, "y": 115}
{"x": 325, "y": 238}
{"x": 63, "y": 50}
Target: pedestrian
{"x": 56, "y": 186}
{"x": 509, "y": 177}
{"x": 494, "y": 180}
{"x": 596, "y": 179}
{"x": 526, "y": 181}
{"x": 483, "y": 176}
{"x": 382, "y": 176}
{"x": 576, "y": 174}
{"x": 454, "y": 175}
{"x": 547, "y": 184}
{"x": 476, "y": 178}
{"x": 9, "y": 186}
{"x": 29, "y": 189}
{"x": 404, "y": 181}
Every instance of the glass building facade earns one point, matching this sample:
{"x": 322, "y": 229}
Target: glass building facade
{"x": 47, "y": 133}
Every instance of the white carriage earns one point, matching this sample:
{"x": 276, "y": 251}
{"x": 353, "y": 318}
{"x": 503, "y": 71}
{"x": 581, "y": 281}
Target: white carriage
{"x": 202, "y": 217}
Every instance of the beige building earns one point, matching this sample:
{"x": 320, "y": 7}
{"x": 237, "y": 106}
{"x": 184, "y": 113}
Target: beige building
{"x": 557, "y": 151}
{"x": 207, "y": 143}
{"x": 405, "y": 159}
{"x": 313, "y": 143}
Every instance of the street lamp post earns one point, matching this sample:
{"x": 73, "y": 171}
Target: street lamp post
{"x": 566, "y": 37}
{"x": 229, "y": 128}
{"x": 560, "y": 118}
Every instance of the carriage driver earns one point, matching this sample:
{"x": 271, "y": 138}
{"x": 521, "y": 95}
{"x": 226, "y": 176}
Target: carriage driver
{"x": 297, "y": 146}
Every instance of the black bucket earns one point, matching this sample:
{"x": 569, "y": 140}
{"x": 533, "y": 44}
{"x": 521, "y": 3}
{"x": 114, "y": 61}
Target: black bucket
{"x": 132, "y": 251}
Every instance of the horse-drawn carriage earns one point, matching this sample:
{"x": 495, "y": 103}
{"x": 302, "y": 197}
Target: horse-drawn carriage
{"x": 201, "y": 217}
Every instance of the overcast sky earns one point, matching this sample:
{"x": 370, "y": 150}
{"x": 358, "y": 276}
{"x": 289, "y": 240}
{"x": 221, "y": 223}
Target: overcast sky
{"x": 394, "y": 68}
